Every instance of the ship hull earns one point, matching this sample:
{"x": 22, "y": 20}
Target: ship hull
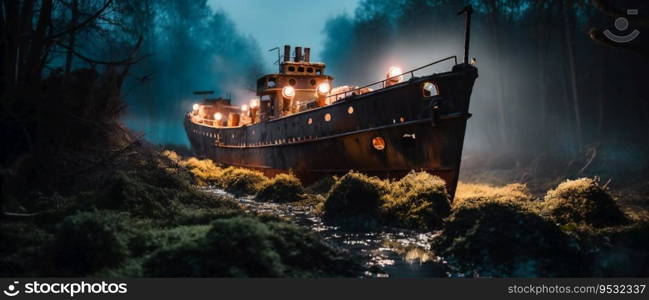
{"x": 420, "y": 133}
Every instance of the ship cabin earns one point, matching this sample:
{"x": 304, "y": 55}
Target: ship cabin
{"x": 300, "y": 85}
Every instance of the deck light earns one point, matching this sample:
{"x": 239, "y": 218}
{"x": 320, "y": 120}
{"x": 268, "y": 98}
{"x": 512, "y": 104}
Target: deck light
{"x": 244, "y": 107}
{"x": 324, "y": 88}
{"x": 288, "y": 91}
{"x": 218, "y": 116}
{"x": 394, "y": 72}
{"x": 254, "y": 103}
{"x": 195, "y": 106}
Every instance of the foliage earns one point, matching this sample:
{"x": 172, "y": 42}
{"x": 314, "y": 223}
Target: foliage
{"x": 583, "y": 201}
{"x": 282, "y": 188}
{"x": 240, "y": 181}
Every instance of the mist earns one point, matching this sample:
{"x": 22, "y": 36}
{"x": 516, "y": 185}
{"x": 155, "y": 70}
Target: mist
{"x": 527, "y": 101}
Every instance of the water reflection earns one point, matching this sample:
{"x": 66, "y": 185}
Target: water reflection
{"x": 389, "y": 252}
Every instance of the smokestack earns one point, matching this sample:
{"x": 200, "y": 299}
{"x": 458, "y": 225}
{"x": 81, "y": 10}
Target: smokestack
{"x": 298, "y": 53}
{"x": 307, "y": 54}
{"x": 287, "y": 52}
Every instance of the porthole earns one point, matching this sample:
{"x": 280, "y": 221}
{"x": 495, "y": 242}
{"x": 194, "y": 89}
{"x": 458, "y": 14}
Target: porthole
{"x": 300, "y": 69}
{"x": 402, "y": 119}
{"x": 313, "y": 82}
{"x": 291, "y": 68}
{"x": 378, "y": 143}
{"x": 292, "y": 81}
{"x": 327, "y": 117}
{"x": 429, "y": 89}
{"x": 309, "y": 121}
{"x": 310, "y": 70}
{"x": 350, "y": 110}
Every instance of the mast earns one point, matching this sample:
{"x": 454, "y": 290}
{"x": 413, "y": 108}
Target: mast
{"x": 468, "y": 11}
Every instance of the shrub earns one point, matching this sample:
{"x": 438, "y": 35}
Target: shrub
{"x": 418, "y": 200}
{"x": 282, "y": 188}
{"x": 355, "y": 194}
{"x": 240, "y": 181}
{"x": 90, "y": 241}
{"x": 247, "y": 247}
{"x": 25, "y": 250}
{"x": 583, "y": 201}
{"x": 506, "y": 239}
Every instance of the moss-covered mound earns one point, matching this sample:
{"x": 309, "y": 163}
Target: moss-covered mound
{"x": 506, "y": 239}
{"x": 241, "y": 181}
{"x": 248, "y": 247}
{"x": 205, "y": 171}
{"x": 282, "y": 188}
{"x": 583, "y": 201}
{"x": 474, "y": 193}
{"x": 355, "y": 194}
{"x": 418, "y": 200}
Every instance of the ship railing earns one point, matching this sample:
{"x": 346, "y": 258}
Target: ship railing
{"x": 384, "y": 83}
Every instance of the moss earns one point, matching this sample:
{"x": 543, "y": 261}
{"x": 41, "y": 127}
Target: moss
{"x": 506, "y": 239}
{"x": 471, "y": 192}
{"x": 205, "y": 171}
{"x": 241, "y": 181}
{"x": 418, "y": 200}
{"x": 583, "y": 201}
{"x": 356, "y": 197}
{"x": 282, "y": 188}
{"x": 248, "y": 247}
{"x": 89, "y": 241}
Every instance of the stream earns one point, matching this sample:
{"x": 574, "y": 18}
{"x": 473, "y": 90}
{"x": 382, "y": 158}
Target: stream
{"x": 388, "y": 252}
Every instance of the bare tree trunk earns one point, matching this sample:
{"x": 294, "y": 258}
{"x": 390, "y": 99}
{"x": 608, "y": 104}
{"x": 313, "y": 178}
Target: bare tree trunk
{"x": 34, "y": 60}
{"x": 570, "y": 50}
{"x": 71, "y": 42}
{"x": 541, "y": 39}
{"x": 501, "y": 81}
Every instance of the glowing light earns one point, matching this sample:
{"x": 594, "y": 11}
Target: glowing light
{"x": 395, "y": 72}
{"x": 288, "y": 91}
{"x": 218, "y": 116}
{"x": 324, "y": 88}
{"x": 195, "y": 106}
{"x": 254, "y": 103}
{"x": 244, "y": 107}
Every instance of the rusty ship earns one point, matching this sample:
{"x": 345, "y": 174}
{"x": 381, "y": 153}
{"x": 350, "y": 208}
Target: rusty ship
{"x": 300, "y": 123}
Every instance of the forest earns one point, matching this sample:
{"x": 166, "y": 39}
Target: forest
{"x": 93, "y": 91}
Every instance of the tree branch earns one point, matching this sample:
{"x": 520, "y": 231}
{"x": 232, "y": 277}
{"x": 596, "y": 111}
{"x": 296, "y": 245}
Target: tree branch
{"x": 82, "y": 24}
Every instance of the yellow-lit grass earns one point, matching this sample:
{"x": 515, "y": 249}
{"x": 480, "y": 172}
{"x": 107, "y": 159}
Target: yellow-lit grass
{"x": 472, "y": 193}
{"x": 281, "y": 188}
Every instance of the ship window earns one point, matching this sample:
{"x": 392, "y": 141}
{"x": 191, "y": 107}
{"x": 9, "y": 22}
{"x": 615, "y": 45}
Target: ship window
{"x": 292, "y": 81}
{"x": 318, "y": 71}
{"x": 300, "y": 69}
{"x": 429, "y": 89}
{"x": 271, "y": 82}
{"x": 378, "y": 143}
{"x": 402, "y": 119}
{"x": 350, "y": 110}
{"x": 291, "y": 69}
{"x": 310, "y": 70}
{"x": 327, "y": 117}
{"x": 313, "y": 82}
{"x": 309, "y": 121}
